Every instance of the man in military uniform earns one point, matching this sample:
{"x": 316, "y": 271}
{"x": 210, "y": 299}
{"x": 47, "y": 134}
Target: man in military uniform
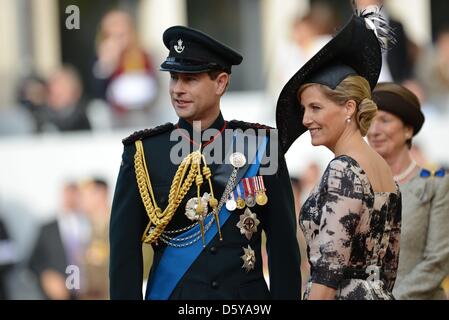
{"x": 204, "y": 218}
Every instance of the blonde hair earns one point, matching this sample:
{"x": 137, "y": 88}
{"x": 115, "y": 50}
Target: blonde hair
{"x": 354, "y": 88}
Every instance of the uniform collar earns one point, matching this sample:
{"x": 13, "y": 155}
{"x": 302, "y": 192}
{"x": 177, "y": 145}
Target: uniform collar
{"x": 218, "y": 124}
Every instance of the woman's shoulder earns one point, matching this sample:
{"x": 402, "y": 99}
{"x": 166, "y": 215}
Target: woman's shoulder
{"x": 342, "y": 163}
{"x": 345, "y": 166}
{"x": 435, "y": 182}
{"x": 343, "y": 172}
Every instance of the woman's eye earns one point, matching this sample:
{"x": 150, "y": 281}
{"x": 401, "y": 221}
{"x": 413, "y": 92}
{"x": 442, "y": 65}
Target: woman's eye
{"x": 316, "y": 108}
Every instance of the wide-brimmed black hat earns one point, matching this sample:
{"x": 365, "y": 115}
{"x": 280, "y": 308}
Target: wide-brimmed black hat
{"x": 355, "y": 49}
{"x": 400, "y": 101}
{"x": 192, "y": 51}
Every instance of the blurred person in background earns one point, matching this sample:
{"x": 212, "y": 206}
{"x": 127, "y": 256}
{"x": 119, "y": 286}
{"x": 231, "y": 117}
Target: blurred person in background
{"x": 298, "y": 192}
{"x": 424, "y": 257}
{"x": 96, "y": 205}
{"x": 433, "y": 71}
{"x": 60, "y": 243}
{"x": 32, "y": 96}
{"x": 8, "y": 257}
{"x": 309, "y": 179}
{"x": 125, "y": 75}
{"x": 66, "y": 108}
{"x": 308, "y": 34}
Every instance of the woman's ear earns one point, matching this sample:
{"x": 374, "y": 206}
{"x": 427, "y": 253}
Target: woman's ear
{"x": 350, "y": 107}
{"x": 408, "y": 130}
{"x": 222, "y": 82}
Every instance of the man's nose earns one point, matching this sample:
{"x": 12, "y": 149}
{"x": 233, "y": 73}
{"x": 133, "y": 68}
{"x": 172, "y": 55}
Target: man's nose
{"x": 178, "y": 86}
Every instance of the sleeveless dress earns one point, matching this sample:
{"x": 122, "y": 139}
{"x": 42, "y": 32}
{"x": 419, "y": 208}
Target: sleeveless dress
{"x": 352, "y": 233}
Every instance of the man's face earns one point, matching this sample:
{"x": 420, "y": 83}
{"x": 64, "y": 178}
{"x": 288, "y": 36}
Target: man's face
{"x": 194, "y": 95}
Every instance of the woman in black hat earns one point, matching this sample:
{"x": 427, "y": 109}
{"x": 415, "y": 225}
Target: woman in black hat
{"x": 424, "y": 259}
{"x": 351, "y": 220}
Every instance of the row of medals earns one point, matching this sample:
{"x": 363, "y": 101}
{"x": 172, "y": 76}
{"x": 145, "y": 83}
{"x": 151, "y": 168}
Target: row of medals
{"x": 253, "y": 194}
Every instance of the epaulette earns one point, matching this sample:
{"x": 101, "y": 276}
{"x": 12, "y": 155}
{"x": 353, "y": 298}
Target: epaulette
{"x": 142, "y": 134}
{"x": 234, "y": 124}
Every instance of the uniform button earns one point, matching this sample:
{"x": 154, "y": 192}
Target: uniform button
{"x": 213, "y": 250}
{"x": 214, "y": 284}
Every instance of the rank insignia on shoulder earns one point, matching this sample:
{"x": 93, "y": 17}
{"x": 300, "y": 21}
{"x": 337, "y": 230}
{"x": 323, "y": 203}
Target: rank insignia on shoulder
{"x": 143, "y": 134}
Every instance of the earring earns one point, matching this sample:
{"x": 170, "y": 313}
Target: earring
{"x": 348, "y": 120}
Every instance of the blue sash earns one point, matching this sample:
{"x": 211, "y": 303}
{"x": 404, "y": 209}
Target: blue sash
{"x": 176, "y": 261}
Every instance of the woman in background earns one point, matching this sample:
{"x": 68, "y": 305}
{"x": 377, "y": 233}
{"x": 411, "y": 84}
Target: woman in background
{"x": 424, "y": 259}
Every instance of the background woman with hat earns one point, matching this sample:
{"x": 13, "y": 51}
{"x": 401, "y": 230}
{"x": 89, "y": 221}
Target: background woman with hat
{"x": 351, "y": 220}
{"x": 424, "y": 258}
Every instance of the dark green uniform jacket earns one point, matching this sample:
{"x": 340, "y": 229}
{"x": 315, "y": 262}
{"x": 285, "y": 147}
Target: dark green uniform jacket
{"x": 217, "y": 273}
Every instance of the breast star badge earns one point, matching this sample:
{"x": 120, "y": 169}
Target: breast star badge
{"x": 248, "y": 223}
{"x": 249, "y": 259}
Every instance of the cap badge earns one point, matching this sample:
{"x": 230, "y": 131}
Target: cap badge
{"x": 179, "y": 48}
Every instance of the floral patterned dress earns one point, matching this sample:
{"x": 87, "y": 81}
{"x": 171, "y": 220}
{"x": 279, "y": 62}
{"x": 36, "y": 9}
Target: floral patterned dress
{"x": 352, "y": 233}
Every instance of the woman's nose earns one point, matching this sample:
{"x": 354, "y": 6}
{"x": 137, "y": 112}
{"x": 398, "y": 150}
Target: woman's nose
{"x": 306, "y": 119}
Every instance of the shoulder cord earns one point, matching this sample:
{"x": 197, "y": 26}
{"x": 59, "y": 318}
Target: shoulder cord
{"x": 180, "y": 185}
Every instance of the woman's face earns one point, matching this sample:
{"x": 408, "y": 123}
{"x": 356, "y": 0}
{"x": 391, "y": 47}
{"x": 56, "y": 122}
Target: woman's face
{"x": 388, "y": 134}
{"x": 324, "y": 119}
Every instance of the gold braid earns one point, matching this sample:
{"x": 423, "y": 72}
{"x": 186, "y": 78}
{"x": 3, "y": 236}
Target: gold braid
{"x": 178, "y": 190}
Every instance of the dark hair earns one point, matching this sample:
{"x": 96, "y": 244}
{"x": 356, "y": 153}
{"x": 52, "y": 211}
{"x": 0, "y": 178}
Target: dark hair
{"x": 213, "y": 74}
{"x": 99, "y": 182}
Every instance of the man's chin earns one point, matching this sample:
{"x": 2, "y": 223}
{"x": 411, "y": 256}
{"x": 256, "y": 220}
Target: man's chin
{"x": 183, "y": 113}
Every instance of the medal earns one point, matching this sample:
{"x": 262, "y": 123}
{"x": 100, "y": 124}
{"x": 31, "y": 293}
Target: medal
{"x": 237, "y": 159}
{"x": 250, "y": 200}
{"x": 249, "y": 258}
{"x": 231, "y": 205}
{"x": 192, "y": 205}
{"x": 248, "y": 223}
{"x": 240, "y": 201}
{"x": 261, "y": 197}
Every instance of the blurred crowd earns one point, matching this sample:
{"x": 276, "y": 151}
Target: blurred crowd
{"x": 70, "y": 253}
{"x": 124, "y": 89}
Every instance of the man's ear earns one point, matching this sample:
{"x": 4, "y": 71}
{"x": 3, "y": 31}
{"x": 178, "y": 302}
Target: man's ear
{"x": 222, "y": 82}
